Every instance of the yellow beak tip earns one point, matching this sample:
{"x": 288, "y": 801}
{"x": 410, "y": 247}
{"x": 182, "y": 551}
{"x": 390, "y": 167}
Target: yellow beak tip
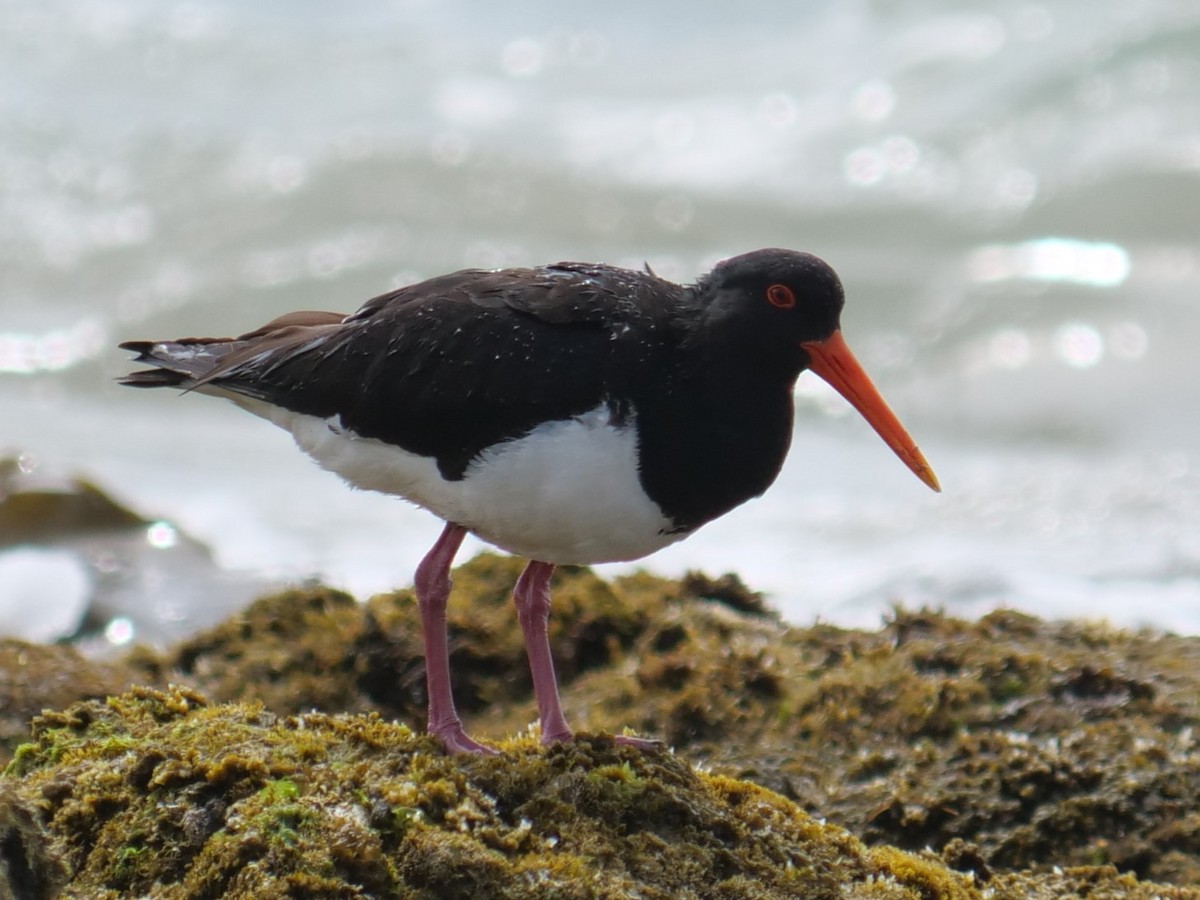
{"x": 924, "y": 471}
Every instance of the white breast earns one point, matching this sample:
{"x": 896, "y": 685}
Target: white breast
{"x": 568, "y": 492}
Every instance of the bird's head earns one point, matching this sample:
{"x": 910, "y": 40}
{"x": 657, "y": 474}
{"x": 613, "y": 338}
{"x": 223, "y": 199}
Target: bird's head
{"x": 786, "y": 305}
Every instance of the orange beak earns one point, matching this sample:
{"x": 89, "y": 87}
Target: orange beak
{"x": 832, "y": 360}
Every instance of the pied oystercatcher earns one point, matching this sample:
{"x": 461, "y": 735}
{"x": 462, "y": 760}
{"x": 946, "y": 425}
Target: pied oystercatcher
{"x": 572, "y": 413}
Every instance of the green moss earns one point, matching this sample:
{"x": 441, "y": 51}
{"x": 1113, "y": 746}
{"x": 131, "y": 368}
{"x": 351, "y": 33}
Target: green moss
{"x": 1006, "y": 745}
{"x": 232, "y": 799}
{"x": 35, "y": 676}
{"x": 289, "y": 651}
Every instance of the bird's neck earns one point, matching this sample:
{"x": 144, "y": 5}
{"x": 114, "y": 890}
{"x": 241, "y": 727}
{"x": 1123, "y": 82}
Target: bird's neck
{"x": 715, "y": 435}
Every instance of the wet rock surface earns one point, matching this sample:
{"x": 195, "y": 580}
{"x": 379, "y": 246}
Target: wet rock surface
{"x": 933, "y": 757}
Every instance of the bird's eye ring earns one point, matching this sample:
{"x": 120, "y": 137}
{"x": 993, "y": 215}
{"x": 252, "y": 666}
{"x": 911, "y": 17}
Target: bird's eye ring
{"x": 781, "y": 296}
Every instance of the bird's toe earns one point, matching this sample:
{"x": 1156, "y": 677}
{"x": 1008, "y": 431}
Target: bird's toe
{"x": 455, "y": 740}
{"x": 644, "y": 744}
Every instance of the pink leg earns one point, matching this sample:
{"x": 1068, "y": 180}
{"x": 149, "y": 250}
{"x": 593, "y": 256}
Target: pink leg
{"x": 432, "y": 586}
{"x": 532, "y": 597}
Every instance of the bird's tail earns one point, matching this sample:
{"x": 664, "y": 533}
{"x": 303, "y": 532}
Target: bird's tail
{"x": 192, "y": 363}
{"x": 180, "y": 364}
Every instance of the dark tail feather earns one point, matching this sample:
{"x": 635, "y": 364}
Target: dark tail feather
{"x": 194, "y": 363}
{"x": 149, "y": 378}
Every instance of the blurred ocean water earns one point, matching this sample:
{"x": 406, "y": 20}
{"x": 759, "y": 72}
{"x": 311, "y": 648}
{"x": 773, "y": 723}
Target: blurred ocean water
{"x": 1011, "y": 193}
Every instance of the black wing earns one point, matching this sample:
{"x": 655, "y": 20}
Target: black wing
{"x": 453, "y": 365}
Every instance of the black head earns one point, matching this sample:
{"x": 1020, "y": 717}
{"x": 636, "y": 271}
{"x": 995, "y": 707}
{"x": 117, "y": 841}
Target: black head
{"x": 778, "y": 312}
{"x": 783, "y": 297}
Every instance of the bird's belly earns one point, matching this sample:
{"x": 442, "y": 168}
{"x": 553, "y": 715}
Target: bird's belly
{"x": 568, "y": 492}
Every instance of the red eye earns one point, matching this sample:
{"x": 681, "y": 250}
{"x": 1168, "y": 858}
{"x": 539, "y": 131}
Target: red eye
{"x": 781, "y": 296}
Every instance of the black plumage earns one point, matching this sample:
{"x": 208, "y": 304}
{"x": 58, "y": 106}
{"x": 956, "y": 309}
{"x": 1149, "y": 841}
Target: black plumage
{"x": 454, "y": 365}
{"x": 576, "y": 413}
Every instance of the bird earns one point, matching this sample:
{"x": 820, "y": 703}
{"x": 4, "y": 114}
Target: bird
{"x": 572, "y": 413}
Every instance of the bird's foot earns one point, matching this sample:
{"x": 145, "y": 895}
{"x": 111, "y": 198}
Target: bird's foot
{"x": 455, "y": 740}
{"x": 559, "y": 736}
{"x": 624, "y": 740}
{"x": 643, "y": 744}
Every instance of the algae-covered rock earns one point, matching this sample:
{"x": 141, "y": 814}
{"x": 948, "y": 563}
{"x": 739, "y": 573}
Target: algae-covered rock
{"x": 292, "y": 651}
{"x": 34, "y": 677}
{"x": 161, "y": 794}
{"x": 1048, "y": 759}
{"x": 316, "y": 648}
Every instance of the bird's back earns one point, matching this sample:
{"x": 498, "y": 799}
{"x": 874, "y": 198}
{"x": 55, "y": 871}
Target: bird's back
{"x": 448, "y": 367}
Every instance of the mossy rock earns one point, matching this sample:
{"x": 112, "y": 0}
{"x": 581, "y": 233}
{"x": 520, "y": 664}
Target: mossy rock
{"x": 161, "y": 794}
{"x": 34, "y": 677}
{"x": 1006, "y": 744}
